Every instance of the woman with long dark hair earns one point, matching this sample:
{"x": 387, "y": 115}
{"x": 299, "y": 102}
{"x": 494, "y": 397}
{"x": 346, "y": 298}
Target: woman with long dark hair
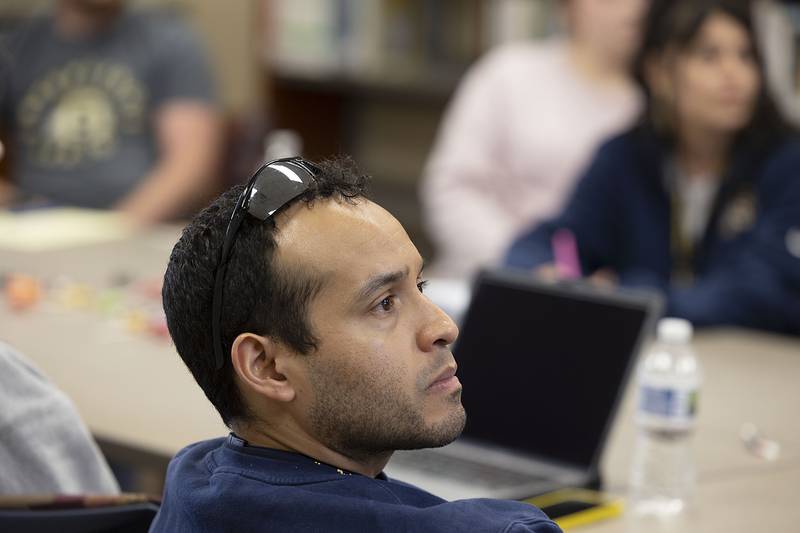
{"x": 701, "y": 199}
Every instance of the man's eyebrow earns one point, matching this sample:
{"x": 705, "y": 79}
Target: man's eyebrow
{"x": 379, "y": 281}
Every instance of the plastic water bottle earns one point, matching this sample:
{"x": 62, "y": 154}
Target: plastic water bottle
{"x": 663, "y": 475}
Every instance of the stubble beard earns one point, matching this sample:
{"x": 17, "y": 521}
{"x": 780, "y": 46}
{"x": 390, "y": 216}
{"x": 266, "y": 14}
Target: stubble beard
{"x": 367, "y": 416}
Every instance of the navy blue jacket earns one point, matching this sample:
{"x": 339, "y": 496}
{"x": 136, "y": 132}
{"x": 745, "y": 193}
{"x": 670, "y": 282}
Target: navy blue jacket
{"x": 227, "y": 485}
{"x": 747, "y": 265}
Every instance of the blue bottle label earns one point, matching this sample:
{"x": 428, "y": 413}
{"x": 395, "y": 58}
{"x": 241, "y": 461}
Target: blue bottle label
{"x": 668, "y": 405}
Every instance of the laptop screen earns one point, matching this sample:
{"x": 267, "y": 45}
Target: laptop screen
{"x": 542, "y": 365}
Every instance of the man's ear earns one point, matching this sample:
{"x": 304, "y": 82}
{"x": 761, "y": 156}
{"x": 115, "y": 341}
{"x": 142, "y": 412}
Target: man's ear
{"x": 253, "y": 358}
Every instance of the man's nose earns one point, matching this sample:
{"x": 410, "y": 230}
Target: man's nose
{"x": 438, "y": 329}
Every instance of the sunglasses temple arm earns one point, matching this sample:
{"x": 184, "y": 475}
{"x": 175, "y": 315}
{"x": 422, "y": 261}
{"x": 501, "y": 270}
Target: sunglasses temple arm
{"x": 219, "y": 281}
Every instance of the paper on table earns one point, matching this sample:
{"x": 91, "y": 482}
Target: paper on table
{"x": 55, "y": 228}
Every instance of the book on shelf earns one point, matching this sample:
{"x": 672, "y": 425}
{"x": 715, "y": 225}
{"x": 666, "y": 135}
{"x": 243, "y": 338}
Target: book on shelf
{"x": 392, "y": 39}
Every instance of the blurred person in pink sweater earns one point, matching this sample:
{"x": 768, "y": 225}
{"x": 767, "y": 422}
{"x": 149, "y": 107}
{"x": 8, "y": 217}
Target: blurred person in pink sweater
{"x": 524, "y": 123}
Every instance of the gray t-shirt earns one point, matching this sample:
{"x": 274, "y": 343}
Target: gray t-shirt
{"x": 45, "y": 447}
{"x": 81, "y": 112}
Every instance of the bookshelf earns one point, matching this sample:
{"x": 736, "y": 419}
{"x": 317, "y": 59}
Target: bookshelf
{"x": 371, "y": 78}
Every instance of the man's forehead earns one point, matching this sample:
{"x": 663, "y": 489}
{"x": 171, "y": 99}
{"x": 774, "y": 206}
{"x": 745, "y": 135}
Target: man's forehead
{"x": 346, "y": 241}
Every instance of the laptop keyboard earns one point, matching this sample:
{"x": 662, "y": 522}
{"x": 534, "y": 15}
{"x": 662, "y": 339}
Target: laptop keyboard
{"x": 443, "y": 465}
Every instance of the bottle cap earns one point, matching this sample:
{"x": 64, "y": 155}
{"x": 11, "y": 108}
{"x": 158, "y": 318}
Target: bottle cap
{"x": 674, "y": 330}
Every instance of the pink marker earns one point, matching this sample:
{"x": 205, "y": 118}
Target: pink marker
{"x": 565, "y": 254}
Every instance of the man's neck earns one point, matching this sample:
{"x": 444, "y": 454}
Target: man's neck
{"x": 75, "y": 21}
{"x": 293, "y": 439}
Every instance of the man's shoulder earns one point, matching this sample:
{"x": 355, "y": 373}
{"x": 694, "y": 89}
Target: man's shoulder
{"x": 192, "y": 464}
{"x": 27, "y": 37}
{"x": 210, "y": 481}
{"x": 192, "y": 451}
{"x": 228, "y": 469}
{"x": 490, "y": 515}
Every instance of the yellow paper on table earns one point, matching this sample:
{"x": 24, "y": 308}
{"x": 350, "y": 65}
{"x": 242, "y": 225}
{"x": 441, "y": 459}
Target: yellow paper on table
{"x": 57, "y": 228}
{"x": 572, "y": 508}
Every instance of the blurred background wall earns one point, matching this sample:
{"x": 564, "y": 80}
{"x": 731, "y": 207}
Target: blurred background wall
{"x": 371, "y": 78}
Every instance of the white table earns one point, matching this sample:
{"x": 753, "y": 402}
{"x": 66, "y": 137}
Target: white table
{"x": 749, "y": 377}
{"x": 137, "y": 392}
{"x": 130, "y": 389}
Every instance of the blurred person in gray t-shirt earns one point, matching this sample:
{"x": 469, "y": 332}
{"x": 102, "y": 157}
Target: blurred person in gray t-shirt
{"x": 45, "y": 448}
{"x": 107, "y": 107}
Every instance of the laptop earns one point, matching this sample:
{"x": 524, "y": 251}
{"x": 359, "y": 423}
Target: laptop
{"x": 544, "y": 367}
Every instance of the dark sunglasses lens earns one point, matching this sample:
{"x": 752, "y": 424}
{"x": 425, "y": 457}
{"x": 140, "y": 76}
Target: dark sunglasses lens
{"x": 276, "y": 185}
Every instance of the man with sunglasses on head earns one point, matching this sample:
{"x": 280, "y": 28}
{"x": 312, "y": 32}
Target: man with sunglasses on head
{"x": 297, "y": 305}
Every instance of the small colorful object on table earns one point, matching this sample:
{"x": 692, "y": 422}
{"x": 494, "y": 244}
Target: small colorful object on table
{"x": 22, "y": 291}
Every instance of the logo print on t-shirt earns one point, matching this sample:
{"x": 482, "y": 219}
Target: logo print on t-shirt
{"x": 739, "y": 215}
{"x": 76, "y": 114}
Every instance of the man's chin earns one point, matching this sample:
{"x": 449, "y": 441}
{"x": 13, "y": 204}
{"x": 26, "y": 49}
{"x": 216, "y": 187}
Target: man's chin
{"x": 444, "y": 431}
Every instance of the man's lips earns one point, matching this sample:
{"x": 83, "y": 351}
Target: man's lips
{"x": 445, "y": 377}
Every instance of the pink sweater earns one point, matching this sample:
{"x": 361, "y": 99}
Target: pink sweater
{"x": 521, "y": 128}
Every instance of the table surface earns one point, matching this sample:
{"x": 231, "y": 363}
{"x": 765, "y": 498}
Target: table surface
{"x": 135, "y": 390}
{"x": 131, "y": 389}
{"x": 748, "y": 378}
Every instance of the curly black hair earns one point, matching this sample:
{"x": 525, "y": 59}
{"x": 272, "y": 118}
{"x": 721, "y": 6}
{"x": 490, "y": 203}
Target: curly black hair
{"x": 261, "y": 296}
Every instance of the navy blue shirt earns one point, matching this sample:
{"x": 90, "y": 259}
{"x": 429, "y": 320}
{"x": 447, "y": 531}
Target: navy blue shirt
{"x": 746, "y": 266}
{"x": 227, "y": 485}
